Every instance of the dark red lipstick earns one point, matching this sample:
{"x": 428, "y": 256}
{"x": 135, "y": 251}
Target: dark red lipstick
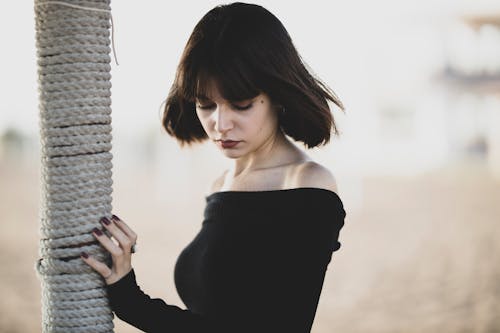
{"x": 228, "y": 143}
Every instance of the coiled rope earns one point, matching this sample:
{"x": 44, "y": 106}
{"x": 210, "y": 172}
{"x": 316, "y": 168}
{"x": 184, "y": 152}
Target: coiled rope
{"x": 73, "y": 50}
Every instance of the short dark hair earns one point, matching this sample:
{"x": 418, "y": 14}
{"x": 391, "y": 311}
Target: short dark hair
{"x": 246, "y": 50}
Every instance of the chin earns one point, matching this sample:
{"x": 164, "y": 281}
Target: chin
{"x": 231, "y": 154}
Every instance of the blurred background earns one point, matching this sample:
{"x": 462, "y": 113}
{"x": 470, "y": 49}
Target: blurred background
{"x": 417, "y": 162}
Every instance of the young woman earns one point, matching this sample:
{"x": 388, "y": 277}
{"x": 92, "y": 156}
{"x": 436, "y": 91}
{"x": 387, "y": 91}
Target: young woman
{"x": 271, "y": 221}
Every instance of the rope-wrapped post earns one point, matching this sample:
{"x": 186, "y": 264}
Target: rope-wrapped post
{"x": 73, "y": 51}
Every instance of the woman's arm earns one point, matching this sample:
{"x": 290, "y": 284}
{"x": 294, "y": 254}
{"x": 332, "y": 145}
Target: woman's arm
{"x": 127, "y": 300}
{"x": 133, "y": 306}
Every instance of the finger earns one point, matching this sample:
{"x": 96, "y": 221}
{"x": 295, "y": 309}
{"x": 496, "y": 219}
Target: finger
{"x": 123, "y": 240}
{"x": 98, "y": 266}
{"x": 123, "y": 226}
{"x": 108, "y": 244}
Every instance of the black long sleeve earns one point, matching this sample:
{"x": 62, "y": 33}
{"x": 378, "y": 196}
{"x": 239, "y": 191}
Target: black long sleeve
{"x": 257, "y": 265}
{"x": 133, "y": 306}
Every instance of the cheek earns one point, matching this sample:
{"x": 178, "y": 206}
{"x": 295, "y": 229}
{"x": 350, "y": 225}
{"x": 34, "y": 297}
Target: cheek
{"x": 204, "y": 120}
{"x": 262, "y": 126}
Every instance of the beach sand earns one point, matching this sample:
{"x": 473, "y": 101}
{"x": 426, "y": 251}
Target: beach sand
{"x": 420, "y": 256}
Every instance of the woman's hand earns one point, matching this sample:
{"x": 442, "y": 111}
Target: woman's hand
{"x": 121, "y": 253}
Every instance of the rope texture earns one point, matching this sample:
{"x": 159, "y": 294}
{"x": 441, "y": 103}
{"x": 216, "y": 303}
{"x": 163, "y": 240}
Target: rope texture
{"x": 73, "y": 50}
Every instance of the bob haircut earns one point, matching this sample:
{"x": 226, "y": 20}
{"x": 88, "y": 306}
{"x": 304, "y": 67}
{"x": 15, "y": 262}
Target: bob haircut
{"x": 246, "y": 50}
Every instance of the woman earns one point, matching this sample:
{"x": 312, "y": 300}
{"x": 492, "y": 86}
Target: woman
{"x": 272, "y": 221}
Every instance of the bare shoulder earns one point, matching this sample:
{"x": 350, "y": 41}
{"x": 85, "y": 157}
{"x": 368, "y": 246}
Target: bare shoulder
{"x": 218, "y": 182}
{"x": 313, "y": 174}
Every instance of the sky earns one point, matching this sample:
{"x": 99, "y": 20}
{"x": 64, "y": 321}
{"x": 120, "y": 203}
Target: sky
{"x": 342, "y": 41}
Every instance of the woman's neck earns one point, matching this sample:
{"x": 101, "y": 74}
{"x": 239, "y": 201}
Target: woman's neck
{"x": 279, "y": 151}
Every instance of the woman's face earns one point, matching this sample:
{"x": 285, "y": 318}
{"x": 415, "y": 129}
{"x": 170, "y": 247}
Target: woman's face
{"x": 237, "y": 127}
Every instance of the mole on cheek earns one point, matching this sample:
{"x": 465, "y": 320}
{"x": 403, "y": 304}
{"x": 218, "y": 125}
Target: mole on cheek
{"x": 262, "y": 101}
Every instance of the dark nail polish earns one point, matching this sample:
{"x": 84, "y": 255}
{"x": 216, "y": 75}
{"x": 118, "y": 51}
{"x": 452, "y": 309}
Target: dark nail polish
{"x": 97, "y": 232}
{"x": 105, "y": 220}
{"x": 84, "y": 254}
{"x": 115, "y": 218}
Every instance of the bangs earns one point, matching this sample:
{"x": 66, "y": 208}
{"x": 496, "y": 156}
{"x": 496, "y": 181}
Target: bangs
{"x": 234, "y": 83}
{"x": 232, "y": 78}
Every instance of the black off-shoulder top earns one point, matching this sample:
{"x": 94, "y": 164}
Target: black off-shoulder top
{"x": 256, "y": 265}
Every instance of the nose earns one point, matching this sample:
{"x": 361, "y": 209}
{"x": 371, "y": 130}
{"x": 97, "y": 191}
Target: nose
{"x": 223, "y": 121}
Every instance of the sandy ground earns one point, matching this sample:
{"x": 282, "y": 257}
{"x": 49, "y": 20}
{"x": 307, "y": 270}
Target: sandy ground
{"x": 420, "y": 256}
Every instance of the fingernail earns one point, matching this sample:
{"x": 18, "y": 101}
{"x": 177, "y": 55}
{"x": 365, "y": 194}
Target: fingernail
{"x": 116, "y": 218}
{"x": 84, "y": 254}
{"x": 105, "y": 220}
{"x": 97, "y": 232}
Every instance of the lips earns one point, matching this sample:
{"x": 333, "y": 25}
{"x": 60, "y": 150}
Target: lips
{"x": 228, "y": 143}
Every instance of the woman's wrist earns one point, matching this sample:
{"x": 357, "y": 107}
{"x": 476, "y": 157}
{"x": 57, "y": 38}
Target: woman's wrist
{"x": 124, "y": 278}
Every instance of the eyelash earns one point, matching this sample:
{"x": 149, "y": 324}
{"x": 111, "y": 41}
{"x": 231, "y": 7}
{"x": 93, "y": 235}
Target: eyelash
{"x": 240, "y": 108}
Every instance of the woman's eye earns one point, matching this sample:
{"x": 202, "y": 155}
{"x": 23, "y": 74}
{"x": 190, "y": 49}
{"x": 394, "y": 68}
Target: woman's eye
{"x": 237, "y": 107}
{"x": 246, "y": 107}
{"x": 206, "y": 107}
